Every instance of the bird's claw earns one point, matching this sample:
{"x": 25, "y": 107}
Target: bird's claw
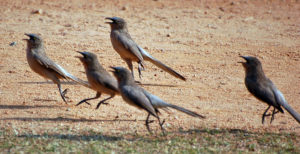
{"x": 65, "y": 92}
{"x": 98, "y": 105}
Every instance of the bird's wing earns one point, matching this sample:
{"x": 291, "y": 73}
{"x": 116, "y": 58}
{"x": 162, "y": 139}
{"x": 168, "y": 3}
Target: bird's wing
{"x": 127, "y": 42}
{"x": 155, "y": 100}
{"x": 263, "y": 91}
{"x": 278, "y": 96}
{"x": 135, "y": 96}
{"x": 106, "y": 80}
{"x": 46, "y": 62}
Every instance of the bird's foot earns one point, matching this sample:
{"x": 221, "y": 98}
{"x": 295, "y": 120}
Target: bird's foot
{"x": 137, "y": 82}
{"x": 65, "y": 92}
{"x": 63, "y": 95}
{"x": 147, "y": 125}
{"x": 150, "y": 121}
{"x": 98, "y": 105}
{"x": 83, "y": 102}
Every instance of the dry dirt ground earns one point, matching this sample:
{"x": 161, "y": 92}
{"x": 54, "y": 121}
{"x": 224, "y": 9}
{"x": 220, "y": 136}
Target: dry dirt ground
{"x": 201, "y": 40}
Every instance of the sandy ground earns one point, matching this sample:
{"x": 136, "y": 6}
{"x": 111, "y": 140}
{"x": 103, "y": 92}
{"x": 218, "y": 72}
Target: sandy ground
{"x": 201, "y": 40}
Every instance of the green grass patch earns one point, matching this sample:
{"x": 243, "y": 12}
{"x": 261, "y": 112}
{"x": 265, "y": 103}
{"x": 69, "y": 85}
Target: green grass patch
{"x": 192, "y": 141}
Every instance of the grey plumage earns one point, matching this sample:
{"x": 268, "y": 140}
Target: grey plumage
{"x": 130, "y": 51}
{"x": 140, "y": 98}
{"x": 41, "y": 64}
{"x": 264, "y": 89}
{"x": 99, "y": 79}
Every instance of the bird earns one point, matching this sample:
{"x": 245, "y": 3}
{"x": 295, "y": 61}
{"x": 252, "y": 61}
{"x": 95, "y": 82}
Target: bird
{"x": 41, "y": 64}
{"x": 263, "y": 89}
{"x": 138, "y": 97}
{"x": 130, "y": 51}
{"x": 99, "y": 79}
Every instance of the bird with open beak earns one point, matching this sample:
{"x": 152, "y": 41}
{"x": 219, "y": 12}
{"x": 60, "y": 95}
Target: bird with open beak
{"x": 131, "y": 51}
{"x": 99, "y": 79}
{"x": 263, "y": 89}
{"x": 41, "y": 64}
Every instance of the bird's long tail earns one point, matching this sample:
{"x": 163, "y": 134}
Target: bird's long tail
{"x": 291, "y": 111}
{"x": 77, "y": 80}
{"x": 281, "y": 100}
{"x": 159, "y": 103}
{"x": 159, "y": 64}
{"x": 186, "y": 111}
{"x": 68, "y": 75}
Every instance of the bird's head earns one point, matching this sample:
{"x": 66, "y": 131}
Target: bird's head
{"x": 87, "y": 58}
{"x": 251, "y": 63}
{"x": 116, "y": 22}
{"x": 122, "y": 74}
{"x": 34, "y": 40}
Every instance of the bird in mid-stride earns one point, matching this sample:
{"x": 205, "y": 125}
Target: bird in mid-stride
{"x": 264, "y": 89}
{"x": 130, "y": 51}
{"x": 138, "y": 97}
{"x": 41, "y": 64}
{"x": 99, "y": 79}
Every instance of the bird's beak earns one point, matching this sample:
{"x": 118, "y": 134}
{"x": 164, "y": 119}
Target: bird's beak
{"x": 80, "y": 57}
{"x": 113, "y": 69}
{"x": 111, "y": 20}
{"x": 244, "y": 57}
{"x": 26, "y": 35}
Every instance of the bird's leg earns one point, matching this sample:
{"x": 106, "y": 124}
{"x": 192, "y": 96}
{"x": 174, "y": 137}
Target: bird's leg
{"x": 263, "y": 116}
{"x": 129, "y": 64}
{"x": 85, "y": 100}
{"x": 140, "y": 69}
{"x": 62, "y": 94}
{"x": 102, "y": 102}
{"x": 147, "y": 123}
{"x": 161, "y": 125}
{"x": 273, "y": 114}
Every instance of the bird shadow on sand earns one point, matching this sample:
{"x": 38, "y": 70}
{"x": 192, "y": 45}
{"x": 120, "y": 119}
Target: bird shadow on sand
{"x": 213, "y": 131}
{"x": 62, "y": 119}
{"x": 88, "y": 137}
{"x": 44, "y": 100}
{"x": 50, "y": 82}
{"x": 26, "y": 106}
{"x": 98, "y": 136}
{"x": 74, "y": 83}
{"x": 156, "y": 85}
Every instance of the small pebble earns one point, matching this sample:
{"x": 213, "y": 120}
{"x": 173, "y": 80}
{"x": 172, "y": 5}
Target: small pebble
{"x": 68, "y": 25}
{"x": 13, "y": 43}
{"x": 221, "y": 9}
{"x": 39, "y": 11}
{"x": 124, "y": 8}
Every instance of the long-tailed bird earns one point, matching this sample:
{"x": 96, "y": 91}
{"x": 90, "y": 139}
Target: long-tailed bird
{"x": 99, "y": 79}
{"x": 41, "y": 64}
{"x": 264, "y": 89}
{"x": 130, "y": 51}
{"x": 140, "y": 98}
